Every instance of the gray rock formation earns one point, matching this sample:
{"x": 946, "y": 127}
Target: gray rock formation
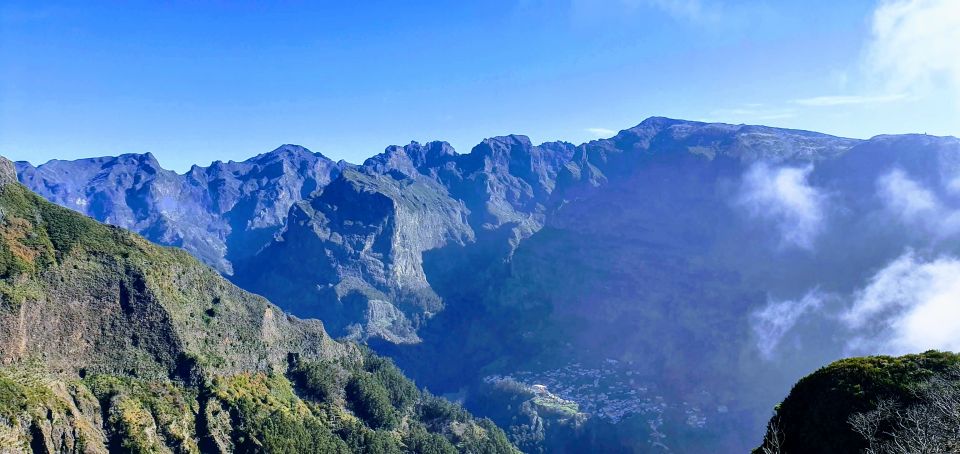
{"x": 219, "y": 213}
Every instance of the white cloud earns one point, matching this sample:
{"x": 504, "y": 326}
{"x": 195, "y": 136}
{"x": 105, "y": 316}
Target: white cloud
{"x": 906, "y": 197}
{"x": 783, "y": 196}
{"x": 915, "y": 44}
{"x": 918, "y": 206}
{"x": 912, "y": 52}
{"x": 910, "y": 305}
{"x": 602, "y": 132}
{"x": 774, "y": 320}
{"x": 830, "y": 101}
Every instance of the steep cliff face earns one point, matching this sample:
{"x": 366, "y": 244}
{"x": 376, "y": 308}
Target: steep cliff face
{"x": 353, "y": 255}
{"x": 111, "y": 343}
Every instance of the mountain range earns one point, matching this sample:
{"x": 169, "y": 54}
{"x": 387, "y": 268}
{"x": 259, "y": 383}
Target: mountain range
{"x": 111, "y": 343}
{"x": 669, "y": 283}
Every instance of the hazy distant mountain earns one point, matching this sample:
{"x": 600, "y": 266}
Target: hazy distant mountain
{"x": 672, "y": 280}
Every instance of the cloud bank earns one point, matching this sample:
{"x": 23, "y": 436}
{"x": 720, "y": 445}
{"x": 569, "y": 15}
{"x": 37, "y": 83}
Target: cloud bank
{"x": 911, "y": 305}
{"x": 784, "y": 197}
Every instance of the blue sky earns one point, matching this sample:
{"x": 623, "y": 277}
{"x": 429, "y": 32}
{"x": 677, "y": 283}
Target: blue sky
{"x": 198, "y": 81}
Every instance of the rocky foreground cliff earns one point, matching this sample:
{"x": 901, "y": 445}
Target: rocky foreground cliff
{"x": 111, "y": 343}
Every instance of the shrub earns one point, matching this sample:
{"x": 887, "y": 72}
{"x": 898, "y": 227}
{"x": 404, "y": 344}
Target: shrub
{"x": 13, "y": 399}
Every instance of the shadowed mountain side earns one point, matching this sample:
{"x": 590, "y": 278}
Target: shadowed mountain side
{"x": 667, "y": 265}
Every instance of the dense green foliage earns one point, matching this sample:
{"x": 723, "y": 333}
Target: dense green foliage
{"x": 37, "y": 233}
{"x": 317, "y": 379}
{"x": 401, "y": 390}
{"x": 433, "y": 408}
{"x": 363, "y": 440}
{"x": 493, "y": 441}
{"x": 420, "y": 441}
{"x": 281, "y": 433}
{"x": 814, "y": 418}
{"x": 13, "y": 399}
{"x": 382, "y": 398}
{"x": 273, "y": 418}
{"x": 371, "y": 401}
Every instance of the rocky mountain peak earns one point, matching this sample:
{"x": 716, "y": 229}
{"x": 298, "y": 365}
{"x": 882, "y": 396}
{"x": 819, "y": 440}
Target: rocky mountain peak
{"x": 288, "y": 152}
{"x": 745, "y": 143}
{"x": 506, "y": 142}
{"x": 410, "y": 159}
{"x": 146, "y": 161}
{"x": 664, "y": 122}
{"x": 429, "y": 154}
{"x": 8, "y": 173}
